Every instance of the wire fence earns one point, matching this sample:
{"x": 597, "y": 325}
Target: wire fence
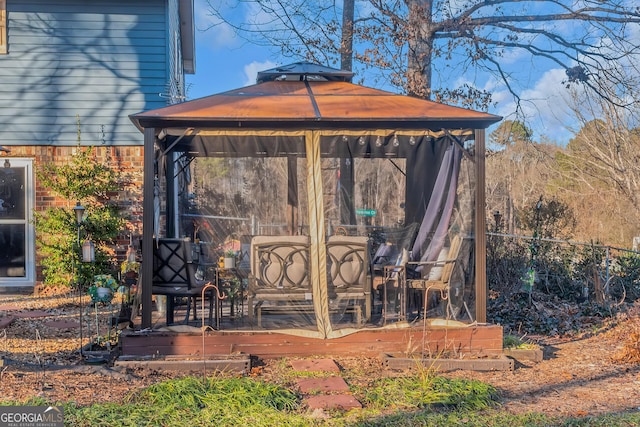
{"x": 568, "y": 270}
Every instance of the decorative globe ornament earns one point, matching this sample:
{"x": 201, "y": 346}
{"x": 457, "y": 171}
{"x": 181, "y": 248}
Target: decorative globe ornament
{"x": 103, "y": 288}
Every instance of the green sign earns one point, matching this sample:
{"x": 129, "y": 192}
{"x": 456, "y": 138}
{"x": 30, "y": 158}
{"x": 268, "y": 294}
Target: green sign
{"x": 366, "y": 212}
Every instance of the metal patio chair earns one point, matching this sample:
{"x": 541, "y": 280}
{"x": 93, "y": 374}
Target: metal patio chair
{"x": 174, "y": 276}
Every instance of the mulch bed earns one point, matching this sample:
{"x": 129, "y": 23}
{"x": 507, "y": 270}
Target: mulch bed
{"x": 581, "y": 374}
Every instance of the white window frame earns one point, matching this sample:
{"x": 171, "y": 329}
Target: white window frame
{"x": 29, "y": 245}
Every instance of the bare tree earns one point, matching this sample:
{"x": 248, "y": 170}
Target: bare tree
{"x": 597, "y": 174}
{"x": 417, "y": 44}
{"x": 518, "y": 173}
{"x": 604, "y": 156}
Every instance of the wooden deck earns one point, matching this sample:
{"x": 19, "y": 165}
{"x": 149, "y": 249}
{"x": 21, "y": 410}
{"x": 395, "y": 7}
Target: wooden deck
{"x": 471, "y": 341}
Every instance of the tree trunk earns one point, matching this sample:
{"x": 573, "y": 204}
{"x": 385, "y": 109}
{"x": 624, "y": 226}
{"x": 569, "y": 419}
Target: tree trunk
{"x": 346, "y": 47}
{"x": 420, "y": 48}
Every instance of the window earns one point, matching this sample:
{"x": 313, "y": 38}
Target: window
{"x": 3, "y": 26}
{"x": 17, "y": 234}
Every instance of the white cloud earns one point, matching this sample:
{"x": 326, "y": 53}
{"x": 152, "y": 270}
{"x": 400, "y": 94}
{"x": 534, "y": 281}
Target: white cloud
{"x": 257, "y": 18}
{"x": 634, "y": 31}
{"x": 211, "y": 31}
{"x": 251, "y": 70}
{"x": 513, "y": 56}
{"x": 544, "y": 106}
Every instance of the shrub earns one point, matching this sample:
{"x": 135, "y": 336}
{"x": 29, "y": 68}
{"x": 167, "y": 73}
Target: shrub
{"x": 85, "y": 180}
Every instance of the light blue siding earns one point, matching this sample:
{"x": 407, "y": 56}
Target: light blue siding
{"x": 96, "y": 61}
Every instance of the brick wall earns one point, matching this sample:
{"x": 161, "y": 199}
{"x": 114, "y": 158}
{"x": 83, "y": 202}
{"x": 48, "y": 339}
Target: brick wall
{"x": 128, "y": 160}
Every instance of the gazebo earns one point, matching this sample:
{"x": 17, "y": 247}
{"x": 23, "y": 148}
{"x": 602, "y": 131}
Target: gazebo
{"x": 357, "y": 192}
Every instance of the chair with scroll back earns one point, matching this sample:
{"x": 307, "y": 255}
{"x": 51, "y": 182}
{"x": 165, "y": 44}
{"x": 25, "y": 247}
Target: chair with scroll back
{"x": 279, "y": 279}
{"x": 349, "y": 273}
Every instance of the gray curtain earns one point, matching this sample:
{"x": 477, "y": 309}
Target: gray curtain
{"x": 435, "y": 223}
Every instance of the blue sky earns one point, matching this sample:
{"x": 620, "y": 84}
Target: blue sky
{"x": 225, "y": 62}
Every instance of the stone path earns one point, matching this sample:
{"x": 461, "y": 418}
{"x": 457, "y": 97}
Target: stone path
{"x": 6, "y": 321}
{"x": 11, "y": 313}
{"x": 324, "y": 393}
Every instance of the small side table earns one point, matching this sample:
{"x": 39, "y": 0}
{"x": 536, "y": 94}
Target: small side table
{"x": 394, "y": 288}
{"x": 229, "y": 282}
{"x": 127, "y": 301}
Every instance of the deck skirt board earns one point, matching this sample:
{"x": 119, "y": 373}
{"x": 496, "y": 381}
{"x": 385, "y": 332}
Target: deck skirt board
{"x": 475, "y": 341}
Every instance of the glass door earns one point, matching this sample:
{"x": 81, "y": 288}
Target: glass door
{"x": 17, "y": 267}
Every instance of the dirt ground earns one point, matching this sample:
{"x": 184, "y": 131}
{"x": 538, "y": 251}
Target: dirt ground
{"x": 580, "y": 374}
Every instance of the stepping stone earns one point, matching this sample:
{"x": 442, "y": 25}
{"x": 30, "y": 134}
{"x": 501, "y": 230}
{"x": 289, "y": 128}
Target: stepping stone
{"x": 6, "y": 321}
{"x": 314, "y": 365}
{"x": 322, "y": 385}
{"x": 333, "y": 401}
{"x": 62, "y": 324}
{"x": 32, "y": 314}
{"x": 9, "y": 308}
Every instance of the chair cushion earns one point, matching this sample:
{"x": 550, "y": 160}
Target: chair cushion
{"x": 436, "y": 271}
{"x": 348, "y": 273}
{"x": 280, "y": 262}
{"x": 178, "y": 291}
{"x": 348, "y": 258}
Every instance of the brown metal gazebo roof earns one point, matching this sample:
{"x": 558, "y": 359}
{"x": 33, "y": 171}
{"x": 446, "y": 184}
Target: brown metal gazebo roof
{"x": 314, "y": 102}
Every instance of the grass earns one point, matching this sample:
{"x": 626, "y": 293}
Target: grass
{"x": 514, "y": 342}
{"x": 192, "y": 401}
{"x": 427, "y": 392}
{"x": 419, "y": 400}
{"x": 497, "y": 419}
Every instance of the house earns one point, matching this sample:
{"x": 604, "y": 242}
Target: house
{"x": 74, "y": 71}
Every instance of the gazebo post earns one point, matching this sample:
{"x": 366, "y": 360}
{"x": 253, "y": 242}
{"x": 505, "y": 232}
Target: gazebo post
{"x": 480, "y": 231}
{"x": 347, "y": 212}
{"x": 171, "y": 191}
{"x": 292, "y": 195}
{"x": 147, "y": 226}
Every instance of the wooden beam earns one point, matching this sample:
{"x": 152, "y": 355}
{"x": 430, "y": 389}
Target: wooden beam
{"x": 480, "y": 229}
